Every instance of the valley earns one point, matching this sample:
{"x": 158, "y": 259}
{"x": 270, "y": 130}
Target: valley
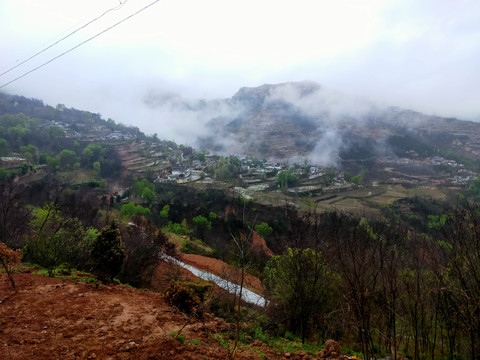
{"x": 329, "y": 217}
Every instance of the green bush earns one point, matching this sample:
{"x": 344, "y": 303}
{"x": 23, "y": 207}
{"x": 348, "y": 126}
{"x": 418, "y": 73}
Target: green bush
{"x": 108, "y": 253}
{"x": 176, "y": 228}
{"x": 164, "y": 212}
{"x": 57, "y": 239}
{"x": 130, "y": 209}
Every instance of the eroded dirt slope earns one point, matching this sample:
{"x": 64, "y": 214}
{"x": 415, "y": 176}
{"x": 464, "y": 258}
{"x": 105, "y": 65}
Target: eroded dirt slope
{"x": 50, "y": 318}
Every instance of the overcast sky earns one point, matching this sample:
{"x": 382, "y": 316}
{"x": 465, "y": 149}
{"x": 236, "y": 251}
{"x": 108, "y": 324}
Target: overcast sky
{"x": 423, "y": 55}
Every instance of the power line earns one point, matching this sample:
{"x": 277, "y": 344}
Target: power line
{"x": 63, "y": 38}
{"x": 77, "y": 46}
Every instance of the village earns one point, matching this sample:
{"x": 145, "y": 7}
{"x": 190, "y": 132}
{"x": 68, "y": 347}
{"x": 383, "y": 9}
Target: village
{"x": 164, "y": 161}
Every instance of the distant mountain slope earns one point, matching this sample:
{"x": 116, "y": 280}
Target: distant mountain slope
{"x": 291, "y": 121}
{"x": 16, "y": 104}
{"x": 302, "y": 120}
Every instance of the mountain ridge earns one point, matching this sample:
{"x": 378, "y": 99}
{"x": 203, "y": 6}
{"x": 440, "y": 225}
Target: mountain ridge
{"x": 303, "y": 120}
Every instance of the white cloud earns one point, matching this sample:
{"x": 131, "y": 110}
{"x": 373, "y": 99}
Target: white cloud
{"x": 420, "y": 55}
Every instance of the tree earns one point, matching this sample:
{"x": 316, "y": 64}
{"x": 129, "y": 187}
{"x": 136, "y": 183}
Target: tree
{"x": 67, "y": 158}
{"x": 418, "y": 303}
{"x": 357, "y": 180}
{"x": 9, "y": 258}
{"x": 176, "y": 228}
{"x": 224, "y": 170}
{"x": 202, "y": 156}
{"x": 475, "y": 188}
{"x": 96, "y": 167}
{"x": 459, "y": 245}
{"x": 53, "y": 162}
{"x": 108, "y": 253}
{"x": 93, "y": 153}
{"x": 286, "y": 179}
{"x": 303, "y": 285}
{"x": 110, "y": 163}
{"x": 56, "y": 238}
{"x": 144, "y": 246}
{"x": 111, "y": 124}
{"x": 201, "y": 225}
{"x": 18, "y": 132}
{"x": 241, "y": 232}
{"x": 3, "y": 147}
{"x": 4, "y": 175}
{"x": 145, "y": 189}
{"x": 30, "y": 152}
{"x": 389, "y": 289}
{"x": 164, "y": 212}
{"x": 263, "y": 229}
{"x": 14, "y": 215}
{"x": 155, "y": 138}
{"x": 56, "y": 132}
{"x": 359, "y": 253}
{"x": 130, "y": 209}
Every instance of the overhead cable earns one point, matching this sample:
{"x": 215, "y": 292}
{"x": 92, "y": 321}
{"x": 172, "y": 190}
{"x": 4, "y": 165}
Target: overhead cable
{"x": 63, "y": 38}
{"x": 80, "y": 44}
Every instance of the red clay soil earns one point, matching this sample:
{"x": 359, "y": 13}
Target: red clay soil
{"x": 259, "y": 246}
{"x": 166, "y": 272}
{"x": 223, "y": 270}
{"x": 49, "y": 318}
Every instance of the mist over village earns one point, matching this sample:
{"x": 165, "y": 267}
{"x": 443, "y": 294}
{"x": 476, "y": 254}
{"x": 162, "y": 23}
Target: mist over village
{"x": 225, "y": 180}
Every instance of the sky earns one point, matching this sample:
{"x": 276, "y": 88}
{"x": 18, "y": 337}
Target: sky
{"x": 422, "y": 55}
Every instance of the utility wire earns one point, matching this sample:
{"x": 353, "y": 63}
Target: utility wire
{"x": 77, "y": 46}
{"x": 63, "y": 38}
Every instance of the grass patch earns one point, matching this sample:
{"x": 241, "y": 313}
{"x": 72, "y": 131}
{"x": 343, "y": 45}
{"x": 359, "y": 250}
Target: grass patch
{"x": 178, "y": 240}
{"x": 118, "y": 282}
{"x": 221, "y": 338}
{"x": 190, "y": 246}
{"x": 194, "y": 342}
{"x": 64, "y": 273}
{"x": 180, "y": 337}
{"x": 196, "y": 247}
{"x": 350, "y": 352}
{"x": 40, "y": 271}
